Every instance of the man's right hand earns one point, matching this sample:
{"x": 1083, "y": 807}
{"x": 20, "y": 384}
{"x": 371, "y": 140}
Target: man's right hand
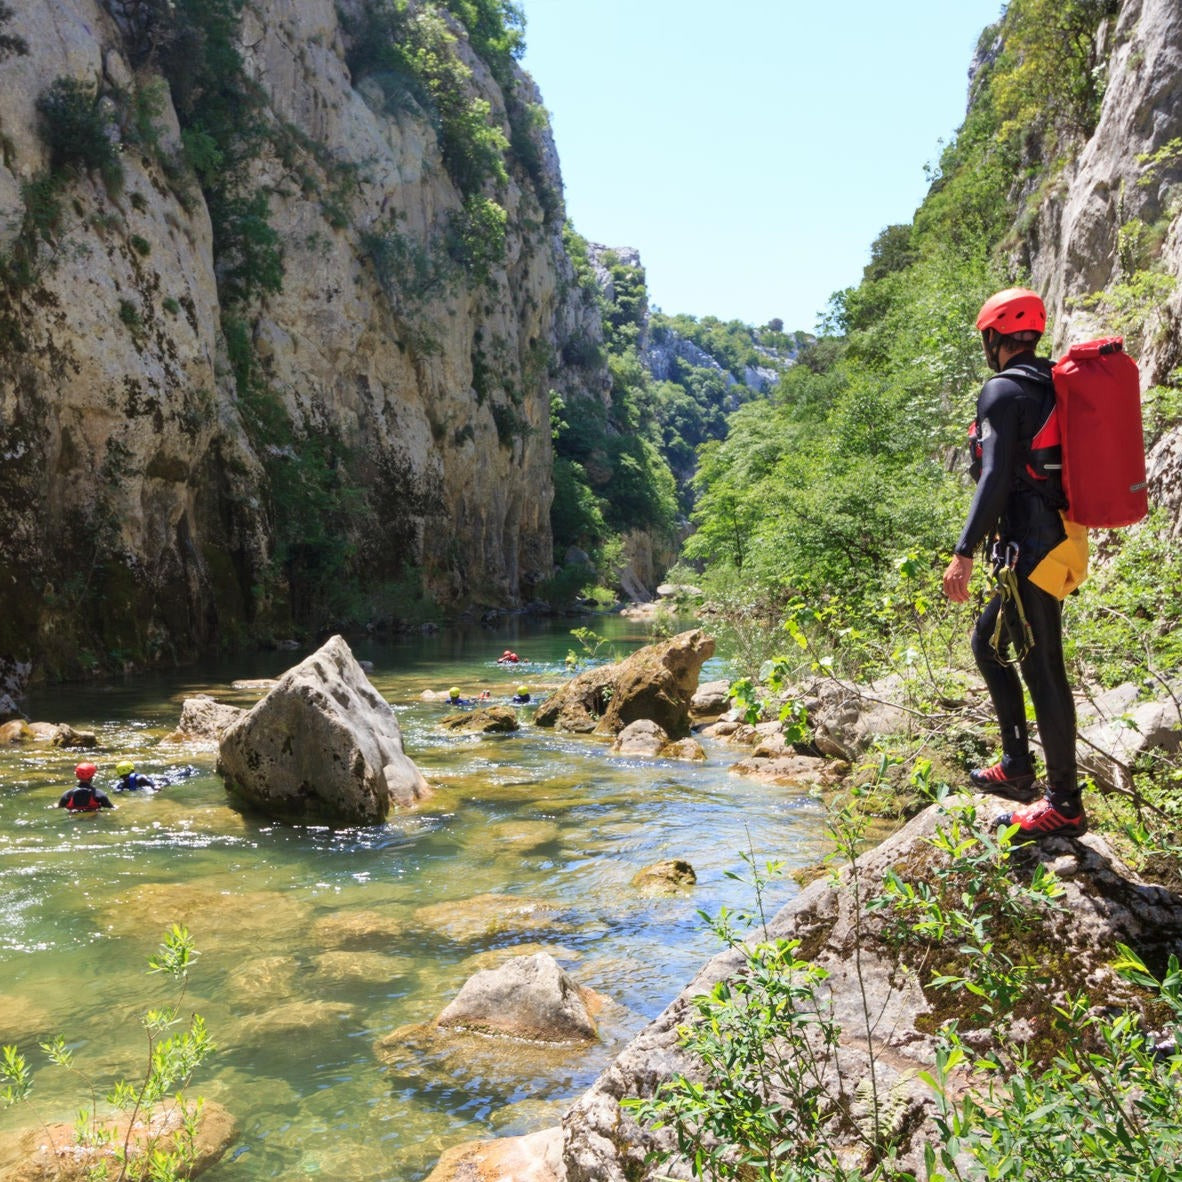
{"x": 956, "y": 578}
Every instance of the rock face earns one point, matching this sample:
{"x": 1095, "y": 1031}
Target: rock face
{"x": 1104, "y": 903}
{"x": 322, "y": 745}
{"x": 1123, "y": 188}
{"x": 656, "y": 683}
{"x": 163, "y": 421}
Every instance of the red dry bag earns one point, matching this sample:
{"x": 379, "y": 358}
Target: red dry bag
{"x": 1098, "y": 405}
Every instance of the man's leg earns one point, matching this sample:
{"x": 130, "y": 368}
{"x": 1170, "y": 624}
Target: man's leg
{"x": 1060, "y": 813}
{"x": 1013, "y": 777}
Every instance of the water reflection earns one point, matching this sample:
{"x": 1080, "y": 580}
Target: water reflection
{"x": 317, "y": 944}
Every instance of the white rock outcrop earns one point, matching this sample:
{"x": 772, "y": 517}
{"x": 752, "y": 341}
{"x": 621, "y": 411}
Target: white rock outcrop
{"x": 322, "y": 745}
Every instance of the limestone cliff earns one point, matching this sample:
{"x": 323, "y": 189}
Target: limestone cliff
{"x": 1113, "y": 217}
{"x": 205, "y": 430}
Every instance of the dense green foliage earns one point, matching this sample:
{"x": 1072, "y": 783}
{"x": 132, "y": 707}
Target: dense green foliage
{"x": 628, "y": 461}
{"x": 77, "y": 128}
{"x": 855, "y": 462}
{"x": 610, "y": 476}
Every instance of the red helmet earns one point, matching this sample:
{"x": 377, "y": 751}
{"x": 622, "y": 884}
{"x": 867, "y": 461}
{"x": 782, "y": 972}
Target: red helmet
{"x": 85, "y": 771}
{"x": 1017, "y": 309}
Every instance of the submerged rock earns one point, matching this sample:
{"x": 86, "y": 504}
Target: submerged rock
{"x": 481, "y": 916}
{"x": 358, "y": 930}
{"x": 669, "y": 877}
{"x": 484, "y": 720}
{"x": 55, "y": 1153}
{"x": 322, "y": 745}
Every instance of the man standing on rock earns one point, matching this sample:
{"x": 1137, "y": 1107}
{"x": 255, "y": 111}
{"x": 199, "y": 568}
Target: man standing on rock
{"x": 1016, "y": 507}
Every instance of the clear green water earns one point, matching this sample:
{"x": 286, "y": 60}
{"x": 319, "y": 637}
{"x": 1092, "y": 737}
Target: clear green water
{"x": 316, "y": 944}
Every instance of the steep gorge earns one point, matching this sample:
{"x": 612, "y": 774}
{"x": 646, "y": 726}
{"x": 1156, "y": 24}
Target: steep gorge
{"x": 197, "y": 445}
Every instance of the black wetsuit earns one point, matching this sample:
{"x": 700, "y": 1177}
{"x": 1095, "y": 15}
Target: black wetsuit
{"x": 133, "y": 782}
{"x": 1018, "y": 510}
{"x": 84, "y": 799}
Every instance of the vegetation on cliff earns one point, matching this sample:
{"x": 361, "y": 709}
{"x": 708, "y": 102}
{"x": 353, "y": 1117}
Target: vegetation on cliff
{"x": 828, "y": 495}
{"x": 626, "y": 462}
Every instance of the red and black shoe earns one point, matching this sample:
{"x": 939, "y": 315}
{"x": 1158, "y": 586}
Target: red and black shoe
{"x": 1042, "y": 819}
{"x": 1015, "y": 782}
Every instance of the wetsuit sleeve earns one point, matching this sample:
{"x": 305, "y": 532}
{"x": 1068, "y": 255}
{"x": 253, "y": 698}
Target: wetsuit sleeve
{"x": 64, "y": 800}
{"x": 103, "y": 799}
{"x": 999, "y": 413}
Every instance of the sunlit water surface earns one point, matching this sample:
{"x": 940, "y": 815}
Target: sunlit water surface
{"x": 317, "y": 943}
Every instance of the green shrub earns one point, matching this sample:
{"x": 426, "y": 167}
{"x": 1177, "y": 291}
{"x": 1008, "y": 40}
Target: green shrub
{"x": 476, "y": 236}
{"x": 78, "y": 130}
{"x": 172, "y": 1060}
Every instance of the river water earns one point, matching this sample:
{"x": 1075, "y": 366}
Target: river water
{"x": 316, "y": 944}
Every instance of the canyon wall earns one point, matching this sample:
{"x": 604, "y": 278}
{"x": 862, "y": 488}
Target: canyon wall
{"x": 195, "y": 448}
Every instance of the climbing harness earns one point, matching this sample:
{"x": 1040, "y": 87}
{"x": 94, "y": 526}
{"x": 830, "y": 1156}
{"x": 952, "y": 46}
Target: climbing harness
{"x": 1006, "y": 572}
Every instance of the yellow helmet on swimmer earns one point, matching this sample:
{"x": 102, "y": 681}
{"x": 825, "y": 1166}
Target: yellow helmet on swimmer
{"x": 124, "y": 768}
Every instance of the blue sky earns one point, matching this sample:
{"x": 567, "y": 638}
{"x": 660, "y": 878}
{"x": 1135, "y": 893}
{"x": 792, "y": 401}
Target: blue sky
{"x": 751, "y": 150}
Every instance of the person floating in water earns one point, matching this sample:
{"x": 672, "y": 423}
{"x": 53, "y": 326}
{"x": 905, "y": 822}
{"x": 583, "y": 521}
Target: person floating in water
{"x": 129, "y": 779}
{"x": 84, "y": 797}
{"x": 522, "y": 694}
{"x": 455, "y": 698}
{"x": 508, "y": 657}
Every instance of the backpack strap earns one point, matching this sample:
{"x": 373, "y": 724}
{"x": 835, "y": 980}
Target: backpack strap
{"x": 1043, "y": 465}
{"x": 1030, "y": 372}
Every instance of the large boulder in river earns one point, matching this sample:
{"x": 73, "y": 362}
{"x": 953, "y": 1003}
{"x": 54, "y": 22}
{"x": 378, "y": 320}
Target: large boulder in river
{"x": 322, "y": 745}
{"x": 528, "y": 997}
{"x": 656, "y": 682}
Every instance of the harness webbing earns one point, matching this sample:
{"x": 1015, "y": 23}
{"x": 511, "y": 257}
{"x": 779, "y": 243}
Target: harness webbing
{"x": 1007, "y": 588}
